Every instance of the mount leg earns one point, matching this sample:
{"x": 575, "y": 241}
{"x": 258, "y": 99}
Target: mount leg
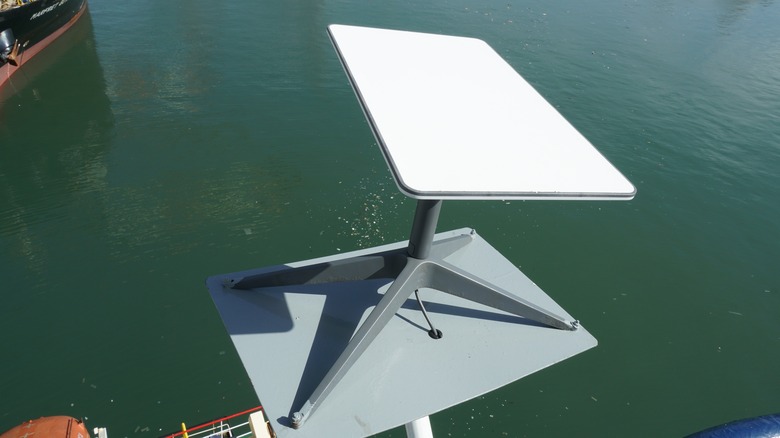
{"x": 455, "y": 281}
{"x": 411, "y": 277}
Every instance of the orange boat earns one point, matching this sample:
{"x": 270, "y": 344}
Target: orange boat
{"x": 50, "y": 427}
{"x": 252, "y": 424}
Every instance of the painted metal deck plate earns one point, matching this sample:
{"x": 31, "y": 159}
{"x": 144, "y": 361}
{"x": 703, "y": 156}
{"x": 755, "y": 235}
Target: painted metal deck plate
{"x": 289, "y": 336}
{"x": 455, "y": 120}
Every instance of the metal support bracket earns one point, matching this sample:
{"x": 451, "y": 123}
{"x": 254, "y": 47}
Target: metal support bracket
{"x": 421, "y": 265}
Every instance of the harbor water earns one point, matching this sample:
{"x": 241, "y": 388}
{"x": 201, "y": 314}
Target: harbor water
{"x": 160, "y": 143}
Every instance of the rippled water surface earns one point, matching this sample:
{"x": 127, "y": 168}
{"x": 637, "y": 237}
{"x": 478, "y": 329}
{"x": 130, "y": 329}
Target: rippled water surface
{"x": 164, "y": 142}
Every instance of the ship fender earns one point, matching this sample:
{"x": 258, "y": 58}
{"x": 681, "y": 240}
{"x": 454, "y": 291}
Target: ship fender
{"x": 767, "y": 426}
{"x": 9, "y": 46}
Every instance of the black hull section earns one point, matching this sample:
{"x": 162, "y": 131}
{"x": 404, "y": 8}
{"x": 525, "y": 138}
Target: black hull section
{"x": 31, "y": 23}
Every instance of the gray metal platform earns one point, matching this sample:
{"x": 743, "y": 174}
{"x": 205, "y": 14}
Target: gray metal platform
{"x": 288, "y": 337}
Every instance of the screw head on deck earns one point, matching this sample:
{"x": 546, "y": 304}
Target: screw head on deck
{"x": 297, "y": 419}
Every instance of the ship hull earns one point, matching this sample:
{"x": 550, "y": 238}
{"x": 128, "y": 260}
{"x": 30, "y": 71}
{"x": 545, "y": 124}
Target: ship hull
{"x": 34, "y": 26}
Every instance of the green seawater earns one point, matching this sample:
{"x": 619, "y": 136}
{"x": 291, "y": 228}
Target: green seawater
{"x": 171, "y": 141}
